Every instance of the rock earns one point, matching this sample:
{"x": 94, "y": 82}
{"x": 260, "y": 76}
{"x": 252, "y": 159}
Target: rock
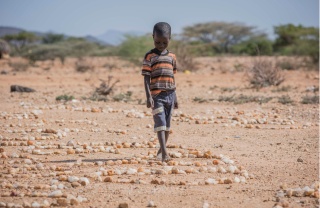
{"x": 84, "y": 181}
{"x": 71, "y": 151}
{"x": 35, "y": 205}
{"x": 236, "y": 180}
{"x": 45, "y": 204}
{"x": 62, "y": 202}
{"x": 25, "y": 204}
{"x": 72, "y": 179}
{"x": 205, "y": 205}
{"x": 151, "y": 204}
{"x": 74, "y": 201}
{"x": 108, "y": 179}
{"x": 19, "y": 88}
{"x": 71, "y": 143}
{"x": 123, "y": 205}
{"x": 75, "y": 184}
{"x": 299, "y": 160}
{"x": 55, "y": 194}
{"x": 131, "y": 171}
{"x": 210, "y": 181}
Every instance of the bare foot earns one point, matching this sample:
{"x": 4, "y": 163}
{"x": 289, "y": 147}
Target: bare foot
{"x": 166, "y": 159}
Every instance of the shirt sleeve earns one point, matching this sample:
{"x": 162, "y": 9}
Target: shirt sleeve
{"x": 146, "y": 66}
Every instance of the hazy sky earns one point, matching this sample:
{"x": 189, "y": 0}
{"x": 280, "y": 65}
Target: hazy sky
{"x": 94, "y": 17}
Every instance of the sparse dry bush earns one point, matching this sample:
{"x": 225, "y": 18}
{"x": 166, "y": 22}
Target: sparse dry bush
{"x": 4, "y": 48}
{"x": 310, "y": 99}
{"x": 19, "y": 65}
{"x": 101, "y": 93}
{"x": 184, "y": 59}
{"x": 285, "y": 99}
{"x": 83, "y": 66}
{"x": 241, "y": 99}
{"x": 264, "y": 74}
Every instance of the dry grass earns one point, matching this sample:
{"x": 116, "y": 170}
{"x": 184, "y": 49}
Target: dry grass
{"x": 264, "y": 74}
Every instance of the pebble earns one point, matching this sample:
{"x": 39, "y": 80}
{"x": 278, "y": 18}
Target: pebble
{"x": 56, "y": 194}
{"x": 151, "y": 204}
{"x": 210, "y": 181}
{"x": 35, "y": 205}
{"x": 123, "y": 205}
{"x": 84, "y": 181}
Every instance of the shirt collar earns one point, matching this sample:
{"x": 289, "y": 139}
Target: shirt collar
{"x": 164, "y": 52}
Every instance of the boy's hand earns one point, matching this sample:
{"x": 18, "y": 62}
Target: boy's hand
{"x": 176, "y": 105}
{"x": 150, "y": 103}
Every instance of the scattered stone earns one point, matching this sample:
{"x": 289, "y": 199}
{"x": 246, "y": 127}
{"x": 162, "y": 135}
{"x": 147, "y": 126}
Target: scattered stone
{"x": 123, "y": 205}
{"x": 151, "y": 204}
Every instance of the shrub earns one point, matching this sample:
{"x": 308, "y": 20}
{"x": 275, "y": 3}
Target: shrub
{"x": 83, "y": 66}
{"x": 310, "y": 99}
{"x": 4, "y": 48}
{"x": 285, "y": 99}
{"x": 19, "y": 65}
{"x": 64, "y": 97}
{"x": 286, "y": 65}
{"x": 46, "y": 52}
{"x": 123, "y": 97}
{"x": 134, "y": 48}
{"x": 200, "y": 100}
{"x": 185, "y": 60}
{"x": 254, "y": 47}
{"x": 264, "y": 74}
{"x": 282, "y": 89}
{"x": 241, "y": 99}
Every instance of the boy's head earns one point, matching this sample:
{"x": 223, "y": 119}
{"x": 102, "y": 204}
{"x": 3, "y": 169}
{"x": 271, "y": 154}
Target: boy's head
{"x": 161, "y": 35}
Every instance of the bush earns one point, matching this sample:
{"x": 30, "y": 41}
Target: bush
{"x": 184, "y": 59}
{"x": 19, "y": 65}
{"x": 286, "y": 65}
{"x": 310, "y": 99}
{"x": 83, "y": 66}
{"x": 254, "y": 47}
{"x": 123, "y": 97}
{"x": 46, "y": 52}
{"x": 64, "y": 97}
{"x": 264, "y": 74}
{"x": 4, "y": 48}
{"x": 134, "y": 48}
{"x": 285, "y": 99}
{"x": 241, "y": 99}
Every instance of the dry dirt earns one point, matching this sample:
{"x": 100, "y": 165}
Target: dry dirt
{"x": 274, "y": 147}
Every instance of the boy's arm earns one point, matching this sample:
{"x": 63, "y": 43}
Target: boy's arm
{"x": 150, "y": 103}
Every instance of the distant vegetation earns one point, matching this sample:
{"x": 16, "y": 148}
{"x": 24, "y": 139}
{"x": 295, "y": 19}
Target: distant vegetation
{"x": 203, "y": 39}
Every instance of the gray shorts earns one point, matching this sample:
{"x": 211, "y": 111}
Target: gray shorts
{"x": 163, "y": 108}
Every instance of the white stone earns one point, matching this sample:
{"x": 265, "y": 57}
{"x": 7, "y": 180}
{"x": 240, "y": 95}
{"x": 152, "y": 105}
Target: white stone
{"x": 55, "y": 194}
{"x": 210, "y": 181}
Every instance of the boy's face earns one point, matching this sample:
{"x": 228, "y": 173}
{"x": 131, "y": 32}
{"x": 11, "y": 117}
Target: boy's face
{"x": 161, "y": 42}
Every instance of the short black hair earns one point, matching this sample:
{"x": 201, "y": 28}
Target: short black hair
{"x": 162, "y": 29}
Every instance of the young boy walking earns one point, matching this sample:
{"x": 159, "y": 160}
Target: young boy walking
{"x": 158, "y": 69}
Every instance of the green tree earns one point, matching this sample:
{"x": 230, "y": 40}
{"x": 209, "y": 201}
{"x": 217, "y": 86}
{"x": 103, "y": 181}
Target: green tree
{"x": 297, "y": 40}
{"x": 20, "y": 40}
{"x": 254, "y": 47}
{"x": 220, "y": 35}
{"x": 134, "y": 48}
{"x": 51, "y": 38}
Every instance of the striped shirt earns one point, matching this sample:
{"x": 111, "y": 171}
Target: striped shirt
{"x": 161, "y": 67}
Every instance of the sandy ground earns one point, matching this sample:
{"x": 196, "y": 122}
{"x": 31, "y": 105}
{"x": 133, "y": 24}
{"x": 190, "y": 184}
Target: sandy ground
{"x": 255, "y": 154}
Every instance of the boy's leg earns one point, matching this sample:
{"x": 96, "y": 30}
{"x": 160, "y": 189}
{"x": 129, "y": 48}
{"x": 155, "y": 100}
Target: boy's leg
{"x": 162, "y": 141}
{"x": 166, "y": 140}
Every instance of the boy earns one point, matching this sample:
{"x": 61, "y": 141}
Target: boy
{"x": 158, "y": 69}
